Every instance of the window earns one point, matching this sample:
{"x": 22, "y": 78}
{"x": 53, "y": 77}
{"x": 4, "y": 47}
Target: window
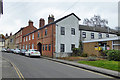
{"x": 26, "y": 38}
{"x": 29, "y": 46}
{"x": 11, "y": 40}
{"x": 23, "y": 47}
{"x": 33, "y": 36}
{"x": 49, "y": 47}
{"x": 32, "y": 46}
{"x": 72, "y": 46}
{"x": 43, "y": 47}
{"x": 45, "y": 32}
{"x": 62, "y": 47}
{"x": 107, "y": 35}
{"x": 46, "y": 47}
{"x": 38, "y": 34}
{"x": 62, "y": 31}
{"x": 72, "y": 31}
{"x": 26, "y": 46}
{"x": 84, "y": 34}
{"x": 92, "y": 35}
{"x": 100, "y": 35}
{"x": 29, "y": 37}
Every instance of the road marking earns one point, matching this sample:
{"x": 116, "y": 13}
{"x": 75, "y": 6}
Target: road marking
{"x": 84, "y": 69}
{"x": 16, "y": 69}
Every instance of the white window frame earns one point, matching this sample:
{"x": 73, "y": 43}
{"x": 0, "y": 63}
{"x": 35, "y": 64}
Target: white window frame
{"x": 33, "y": 36}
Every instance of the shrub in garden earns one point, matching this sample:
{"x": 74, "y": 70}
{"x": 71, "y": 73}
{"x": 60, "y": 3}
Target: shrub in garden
{"x": 84, "y": 55}
{"x": 76, "y": 52}
{"x": 113, "y": 55}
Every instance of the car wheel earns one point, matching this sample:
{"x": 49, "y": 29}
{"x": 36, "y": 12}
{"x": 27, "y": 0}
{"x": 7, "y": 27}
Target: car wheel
{"x": 29, "y": 54}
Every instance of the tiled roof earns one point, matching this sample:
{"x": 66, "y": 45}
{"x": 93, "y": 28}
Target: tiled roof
{"x": 53, "y": 23}
{"x": 97, "y": 29}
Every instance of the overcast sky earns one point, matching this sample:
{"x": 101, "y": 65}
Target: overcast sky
{"x": 17, "y": 14}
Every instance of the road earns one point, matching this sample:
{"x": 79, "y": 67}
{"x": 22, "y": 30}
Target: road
{"x": 42, "y": 68}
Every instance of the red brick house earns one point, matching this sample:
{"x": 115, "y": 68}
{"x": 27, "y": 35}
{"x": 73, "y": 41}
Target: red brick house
{"x": 23, "y": 31}
{"x": 47, "y": 38}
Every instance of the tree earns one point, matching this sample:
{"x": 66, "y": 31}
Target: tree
{"x": 95, "y": 21}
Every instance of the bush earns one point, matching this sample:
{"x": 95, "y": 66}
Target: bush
{"x": 84, "y": 55}
{"x": 76, "y": 52}
{"x": 104, "y": 53}
{"x": 113, "y": 55}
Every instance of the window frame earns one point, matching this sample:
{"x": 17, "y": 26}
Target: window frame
{"x": 62, "y": 47}
{"x": 83, "y": 34}
{"x": 62, "y": 30}
{"x": 73, "y": 31}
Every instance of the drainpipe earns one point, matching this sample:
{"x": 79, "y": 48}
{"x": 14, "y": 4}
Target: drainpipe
{"x": 52, "y": 41}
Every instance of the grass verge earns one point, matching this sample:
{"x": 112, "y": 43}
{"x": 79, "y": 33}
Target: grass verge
{"x": 112, "y": 65}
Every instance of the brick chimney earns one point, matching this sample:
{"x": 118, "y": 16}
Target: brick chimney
{"x": 50, "y": 18}
{"x": 11, "y": 34}
{"x": 41, "y": 22}
{"x": 30, "y": 23}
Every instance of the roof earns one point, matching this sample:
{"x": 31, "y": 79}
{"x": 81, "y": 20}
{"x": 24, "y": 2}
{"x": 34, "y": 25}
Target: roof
{"x": 53, "y": 23}
{"x": 19, "y": 30}
{"x": 98, "y": 29}
{"x": 100, "y": 40}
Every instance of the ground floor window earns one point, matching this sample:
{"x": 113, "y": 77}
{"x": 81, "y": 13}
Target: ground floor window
{"x": 72, "y": 46}
{"x": 43, "y": 47}
{"x": 49, "y": 47}
{"x": 26, "y": 46}
{"x": 32, "y": 46}
{"x": 62, "y": 47}
{"x": 46, "y": 47}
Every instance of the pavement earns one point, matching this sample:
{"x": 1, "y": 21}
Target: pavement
{"x": 32, "y": 68}
{"x": 87, "y": 67}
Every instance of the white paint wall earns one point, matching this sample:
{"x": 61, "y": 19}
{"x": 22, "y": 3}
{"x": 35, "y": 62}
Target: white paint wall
{"x": 68, "y": 38}
{"x": 96, "y": 36}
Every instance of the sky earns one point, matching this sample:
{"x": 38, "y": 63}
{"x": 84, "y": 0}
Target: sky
{"x": 17, "y": 13}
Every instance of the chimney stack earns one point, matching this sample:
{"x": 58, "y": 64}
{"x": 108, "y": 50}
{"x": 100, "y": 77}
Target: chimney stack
{"x": 41, "y": 22}
{"x": 11, "y": 34}
{"x": 30, "y": 23}
{"x": 50, "y": 18}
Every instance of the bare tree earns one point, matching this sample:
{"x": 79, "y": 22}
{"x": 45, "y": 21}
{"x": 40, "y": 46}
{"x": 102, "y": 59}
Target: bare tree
{"x": 95, "y": 21}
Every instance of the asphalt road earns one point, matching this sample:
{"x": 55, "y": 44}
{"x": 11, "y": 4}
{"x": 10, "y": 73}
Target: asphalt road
{"x": 42, "y": 68}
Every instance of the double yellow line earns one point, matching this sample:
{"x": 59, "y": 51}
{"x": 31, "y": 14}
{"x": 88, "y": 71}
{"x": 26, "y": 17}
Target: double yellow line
{"x": 16, "y": 69}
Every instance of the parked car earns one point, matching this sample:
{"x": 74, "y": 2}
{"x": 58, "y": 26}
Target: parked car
{"x": 8, "y": 50}
{"x": 22, "y": 51}
{"x": 17, "y": 51}
{"x": 32, "y": 52}
{"x": 12, "y": 50}
{"x": 4, "y": 50}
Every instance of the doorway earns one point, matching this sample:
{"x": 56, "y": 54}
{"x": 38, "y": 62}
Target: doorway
{"x": 39, "y": 47}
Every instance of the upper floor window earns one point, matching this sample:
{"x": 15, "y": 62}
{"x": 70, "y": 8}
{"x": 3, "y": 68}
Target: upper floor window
{"x": 29, "y": 37}
{"x": 62, "y": 30}
{"x": 107, "y": 35}
{"x": 26, "y": 38}
{"x": 45, "y": 32}
{"x": 11, "y": 40}
{"x": 92, "y": 35}
{"x": 100, "y": 35}
{"x": 33, "y": 36}
{"x": 84, "y": 34}
{"x": 38, "y": 34}
{"x": 72, "y": 31}
{"x": 62, "y": 47}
